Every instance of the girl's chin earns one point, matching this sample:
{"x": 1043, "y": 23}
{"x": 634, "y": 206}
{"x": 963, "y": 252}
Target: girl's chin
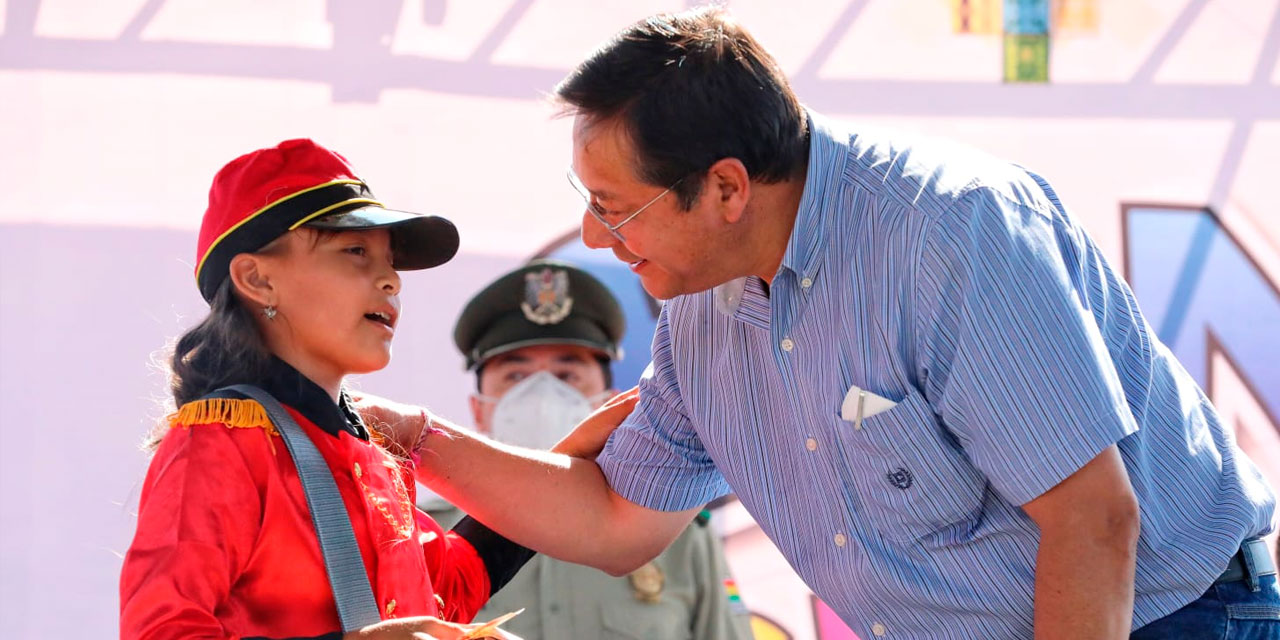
{"x": 369, "y": 364}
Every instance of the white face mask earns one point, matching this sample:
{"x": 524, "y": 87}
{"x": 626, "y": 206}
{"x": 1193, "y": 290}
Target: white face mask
{"x": 539, "y": 411}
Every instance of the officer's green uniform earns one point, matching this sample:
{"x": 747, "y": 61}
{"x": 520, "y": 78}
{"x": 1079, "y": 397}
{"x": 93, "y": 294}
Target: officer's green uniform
{"x": 686, "y": 592}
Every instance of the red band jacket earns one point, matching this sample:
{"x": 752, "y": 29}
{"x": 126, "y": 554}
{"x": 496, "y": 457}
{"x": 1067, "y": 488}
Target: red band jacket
{"x": 225, "y": 546}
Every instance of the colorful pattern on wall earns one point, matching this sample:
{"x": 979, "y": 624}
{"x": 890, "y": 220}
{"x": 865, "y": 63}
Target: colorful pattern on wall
{"x": 1026, "y": 41}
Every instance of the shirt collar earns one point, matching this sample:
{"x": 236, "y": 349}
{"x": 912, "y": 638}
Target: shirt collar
{"x": 292, "y": 388}
{"x": 827, "y": 154}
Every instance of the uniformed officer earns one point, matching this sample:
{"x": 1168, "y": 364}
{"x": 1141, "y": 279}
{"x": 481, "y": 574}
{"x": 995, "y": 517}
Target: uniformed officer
{"x": 540, "y": 340}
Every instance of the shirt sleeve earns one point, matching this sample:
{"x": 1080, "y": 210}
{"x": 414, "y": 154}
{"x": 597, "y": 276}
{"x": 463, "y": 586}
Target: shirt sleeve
{"x": 196, "y": 530}
{"x": 1011, "y": 355}
{"x": 458, "y": 574}
{"x": 655, "y": 458}
{"x": 502, "y": 558}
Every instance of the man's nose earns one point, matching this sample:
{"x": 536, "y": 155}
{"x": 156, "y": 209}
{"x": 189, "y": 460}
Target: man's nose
{"x": 594, "y": 234}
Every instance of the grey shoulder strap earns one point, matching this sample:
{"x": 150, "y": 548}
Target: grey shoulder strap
{"x": 347, "y": 577}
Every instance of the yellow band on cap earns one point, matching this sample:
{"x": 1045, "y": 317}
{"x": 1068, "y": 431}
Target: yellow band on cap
{"x": 255, "y": 214}
{"x": 331, "y": 208}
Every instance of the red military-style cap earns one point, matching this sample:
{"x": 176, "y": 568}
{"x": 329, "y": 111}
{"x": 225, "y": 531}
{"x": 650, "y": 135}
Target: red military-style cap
{"x": 262, "y": 195}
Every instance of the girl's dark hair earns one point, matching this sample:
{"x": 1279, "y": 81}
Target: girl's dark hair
{"x": 690, "y": 89}
{"x": 225, "y": 348}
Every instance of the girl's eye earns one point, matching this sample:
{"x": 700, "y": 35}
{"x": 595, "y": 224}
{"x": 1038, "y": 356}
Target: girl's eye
{"x": 359, "y": 251}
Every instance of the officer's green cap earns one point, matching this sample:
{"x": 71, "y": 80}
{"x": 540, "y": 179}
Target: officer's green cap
{"x": 543, "y": 302}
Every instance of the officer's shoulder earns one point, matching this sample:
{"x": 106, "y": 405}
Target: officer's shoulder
{"x": 703, "y": 518}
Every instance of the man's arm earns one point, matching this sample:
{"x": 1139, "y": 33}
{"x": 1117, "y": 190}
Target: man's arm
{"x": 1088, "y": 544}
{"x": 1019, "y": 368}
{"x": 552, "y": 503}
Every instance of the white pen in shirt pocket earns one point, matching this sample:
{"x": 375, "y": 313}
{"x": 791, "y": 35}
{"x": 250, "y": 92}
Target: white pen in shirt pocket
{"x": 860, "y": 403}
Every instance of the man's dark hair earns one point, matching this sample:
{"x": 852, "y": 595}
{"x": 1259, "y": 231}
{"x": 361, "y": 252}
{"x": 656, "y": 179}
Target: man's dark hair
{"x": 690, "y": 89}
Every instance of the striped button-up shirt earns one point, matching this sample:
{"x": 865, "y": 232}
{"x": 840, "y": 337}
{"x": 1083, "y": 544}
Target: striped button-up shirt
{"x": 958, "y": 287}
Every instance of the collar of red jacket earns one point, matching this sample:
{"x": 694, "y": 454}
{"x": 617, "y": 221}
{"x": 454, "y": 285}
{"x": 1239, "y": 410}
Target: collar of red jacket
{"x": 292, "y": 388}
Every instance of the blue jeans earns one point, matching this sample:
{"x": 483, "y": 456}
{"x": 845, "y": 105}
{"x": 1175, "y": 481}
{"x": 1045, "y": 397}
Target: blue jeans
{"x": 1227, "y": 611}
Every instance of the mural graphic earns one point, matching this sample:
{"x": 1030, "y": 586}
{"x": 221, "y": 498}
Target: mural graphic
{"x": 1209, "y": 301}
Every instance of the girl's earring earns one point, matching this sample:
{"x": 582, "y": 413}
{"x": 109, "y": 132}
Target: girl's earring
{"x": 269, "y": 311}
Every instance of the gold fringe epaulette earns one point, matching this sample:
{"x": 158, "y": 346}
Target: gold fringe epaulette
{"x": 231, "y": 412}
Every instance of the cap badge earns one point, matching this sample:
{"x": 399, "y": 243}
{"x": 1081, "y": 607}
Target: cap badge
{"x": 546, "y": 296}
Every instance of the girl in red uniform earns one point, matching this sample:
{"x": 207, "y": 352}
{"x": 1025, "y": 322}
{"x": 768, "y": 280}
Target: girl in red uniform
{"x": 299, "y": 264}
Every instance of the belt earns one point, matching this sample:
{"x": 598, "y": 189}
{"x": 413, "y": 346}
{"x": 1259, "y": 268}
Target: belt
{"x": 1251, "y": 558}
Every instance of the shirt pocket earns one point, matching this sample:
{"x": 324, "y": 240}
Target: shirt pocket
{"x": 908, "y": 473}
{"x": 628, "y": 621}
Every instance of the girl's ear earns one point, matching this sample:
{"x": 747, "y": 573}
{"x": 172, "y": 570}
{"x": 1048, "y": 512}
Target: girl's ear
{"x": 250, "y": 280}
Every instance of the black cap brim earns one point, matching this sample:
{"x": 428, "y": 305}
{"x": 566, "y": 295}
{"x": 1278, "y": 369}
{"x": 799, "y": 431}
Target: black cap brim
{"x": 509, "y": 313}
{"x": 417, "y": 241}
{"x": 513, "y": 331}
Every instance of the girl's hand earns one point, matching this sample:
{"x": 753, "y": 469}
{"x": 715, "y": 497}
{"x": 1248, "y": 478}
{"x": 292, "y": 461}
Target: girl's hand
{"x": 417, "y": 628}
{"x": 420, "y": 628}
{"x": 588, "y": 438}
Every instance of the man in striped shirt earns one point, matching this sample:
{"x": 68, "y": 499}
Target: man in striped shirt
{"x": 908, "y": 360}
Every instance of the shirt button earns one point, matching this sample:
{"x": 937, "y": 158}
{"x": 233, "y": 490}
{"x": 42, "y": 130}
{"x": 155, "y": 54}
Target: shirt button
{"x": 878, "y": 629}
{"x": 806, "y": 283}
{"x": 357, "y": 470}
{"x": 391, "y": 607}
{"x": 811, "y": 444}
{"x": 787, "y": 344}
{"x": 839, "y": 539}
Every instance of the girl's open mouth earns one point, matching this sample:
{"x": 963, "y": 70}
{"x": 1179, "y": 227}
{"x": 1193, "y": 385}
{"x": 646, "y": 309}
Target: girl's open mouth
{"x": 380, "y": 317}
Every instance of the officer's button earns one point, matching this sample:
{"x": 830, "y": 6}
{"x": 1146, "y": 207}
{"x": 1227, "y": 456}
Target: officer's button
{"x": 839, "y": 539}
{"x": 391, "y": 607}
{"x": 811, "y": 444}
{"x": 806, "y": 283}
{"x": 878, "y": 629}
{"x": 357, "y": 470}
{"x": 787, "y": 344}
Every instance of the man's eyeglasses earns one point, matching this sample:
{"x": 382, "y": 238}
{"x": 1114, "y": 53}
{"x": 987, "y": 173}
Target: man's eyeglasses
{"x": 599, "y": 212}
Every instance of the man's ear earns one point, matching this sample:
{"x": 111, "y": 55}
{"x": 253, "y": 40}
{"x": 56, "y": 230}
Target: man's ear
{"x": 730, "y": 185}
{"x": 251, "y": 280}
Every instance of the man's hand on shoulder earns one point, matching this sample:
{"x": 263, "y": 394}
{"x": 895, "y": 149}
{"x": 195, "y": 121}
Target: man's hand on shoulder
{"x": 400, "y": 425}
{"x": 587, "y": 440}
